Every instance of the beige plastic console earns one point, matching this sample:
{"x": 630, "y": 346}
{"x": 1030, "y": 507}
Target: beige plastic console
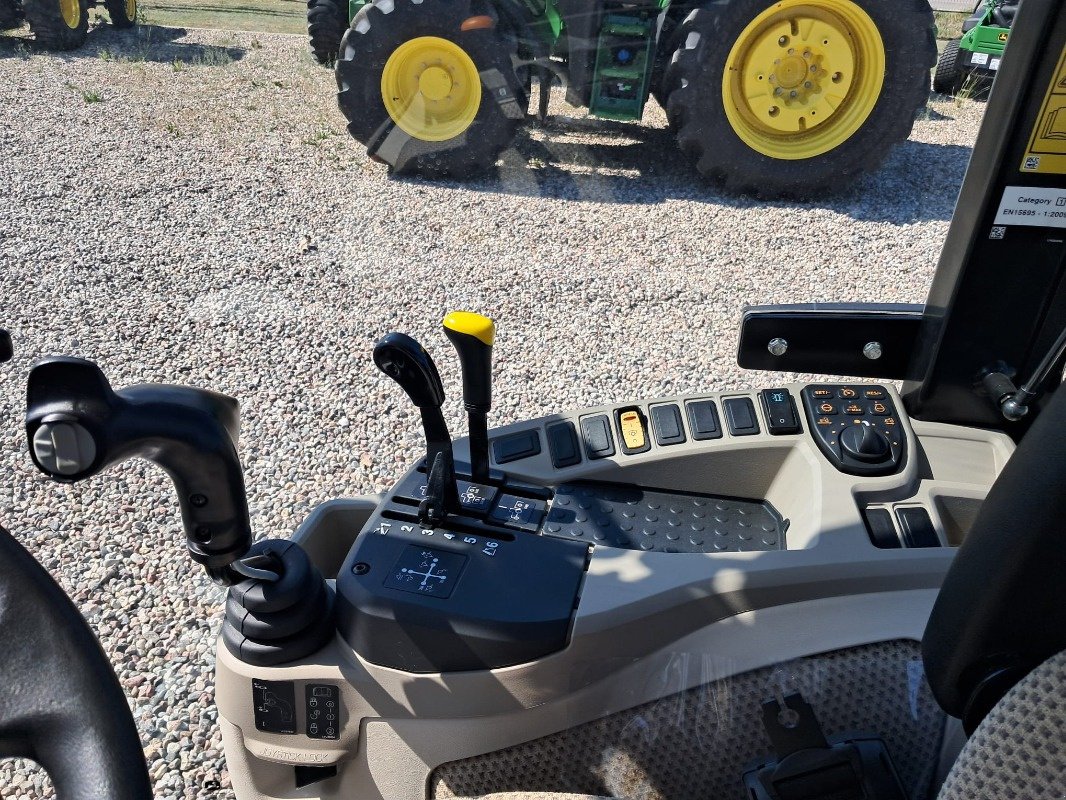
{"x": 638, "y": 611}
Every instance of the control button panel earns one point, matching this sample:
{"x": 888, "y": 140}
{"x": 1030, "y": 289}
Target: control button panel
{"x": 740, "y": 416}
{"x": 522, "y": 513}
{"x": 780, "y": 411}
{"x": 596, "y": 431}
{"x": 703, "y": 419}
{"x": 515, "y": 446}
{"x": 427, "y": 571}
{"x": 667, "y": 425}
{"x": 274, "y": 704}
{"x": 857, "y": 427}
{"x": 563, "y": 444}
{"x": 322, "y": 706}
{"x": 633, "y": 430}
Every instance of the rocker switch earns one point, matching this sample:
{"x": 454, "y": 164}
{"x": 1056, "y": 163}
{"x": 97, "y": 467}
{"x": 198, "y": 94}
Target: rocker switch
{"x": 780, "y": 411}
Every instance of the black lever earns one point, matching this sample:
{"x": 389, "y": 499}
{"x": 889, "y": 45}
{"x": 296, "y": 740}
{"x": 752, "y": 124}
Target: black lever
{"x": 405, "y": 361}
{"x": 77, "y": 425}
{"x": 473, "y": 336}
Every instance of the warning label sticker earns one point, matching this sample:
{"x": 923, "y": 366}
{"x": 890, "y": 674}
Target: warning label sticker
{"x": 1028, "y": 205}
{"x": 1047, "y": 143}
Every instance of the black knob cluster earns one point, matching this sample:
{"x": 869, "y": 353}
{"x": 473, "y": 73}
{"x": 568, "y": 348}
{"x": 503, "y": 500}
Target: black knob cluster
{"x": 272, "y": 622}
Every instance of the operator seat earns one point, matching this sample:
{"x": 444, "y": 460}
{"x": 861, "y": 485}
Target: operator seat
{"x": 1018, "y": 750}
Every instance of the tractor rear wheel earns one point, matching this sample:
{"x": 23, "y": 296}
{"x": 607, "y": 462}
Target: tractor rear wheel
{"x": 429, "y": 86}
{"x": 58, "y": 24}
{"x": 10, "y": 15}
{"x": 948, "y": 76}
{"x": 327, "y": 20}
{"x": 123, "y": 13}
{"x": 796, "y": 98}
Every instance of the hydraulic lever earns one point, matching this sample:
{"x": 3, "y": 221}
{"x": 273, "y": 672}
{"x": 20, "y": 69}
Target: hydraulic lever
{"x": 473, "y": 336}
{"x": 405, "y": 361}
{"x": 78, "y": 425}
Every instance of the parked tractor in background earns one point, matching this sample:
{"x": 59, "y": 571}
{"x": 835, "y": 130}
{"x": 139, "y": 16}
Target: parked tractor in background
{"x": 63, "y": 24}
{"x": 974, "y": 58}
{"x": 787, "y": 97}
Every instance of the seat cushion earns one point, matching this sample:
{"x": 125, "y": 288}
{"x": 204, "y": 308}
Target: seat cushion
{"x": 1019, "y": 749}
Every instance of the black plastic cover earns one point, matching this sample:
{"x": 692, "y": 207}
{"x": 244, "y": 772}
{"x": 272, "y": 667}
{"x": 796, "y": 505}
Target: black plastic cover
{"x": 444, "y": 600}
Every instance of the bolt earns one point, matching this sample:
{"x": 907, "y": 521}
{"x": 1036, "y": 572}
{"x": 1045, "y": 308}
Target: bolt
{"x": 793, "y": 93}
{"x": 807, "y": 84}
{"x": 777, "y": 346}
{"x": 873, "y": 350}
{"x": 814, "y": 68}
{"x": 778, "y": 91}
{"x": 807, "y": 54}
{"x": 791, "y": 50}
{"x": 783, "y": 41}
{"x": 361, "y": 568}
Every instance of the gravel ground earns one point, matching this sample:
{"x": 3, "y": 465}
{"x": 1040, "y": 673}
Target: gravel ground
{"x": 184, "y": 206}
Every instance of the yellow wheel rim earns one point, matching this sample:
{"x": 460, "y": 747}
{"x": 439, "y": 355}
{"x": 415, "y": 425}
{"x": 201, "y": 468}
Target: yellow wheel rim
{"x": 131, "y": 9}
{"x": 71, "y": 10}
{"x": 803, "y": 76}
{"x": 431, "y": 88}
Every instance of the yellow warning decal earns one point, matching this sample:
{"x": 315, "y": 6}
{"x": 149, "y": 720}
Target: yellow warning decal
{"x": 1047, "y": 144}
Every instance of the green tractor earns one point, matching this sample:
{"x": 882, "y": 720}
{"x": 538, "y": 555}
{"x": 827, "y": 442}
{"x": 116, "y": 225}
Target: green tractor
{"x": 63, "y": 24}
{"x": 976, "y": 56}
{"x": 787, "y": 98}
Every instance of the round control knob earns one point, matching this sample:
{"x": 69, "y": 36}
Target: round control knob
{"x": 865, "y": 443}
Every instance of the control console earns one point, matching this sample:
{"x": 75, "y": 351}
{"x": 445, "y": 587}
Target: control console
{"x": 856, "y": 426}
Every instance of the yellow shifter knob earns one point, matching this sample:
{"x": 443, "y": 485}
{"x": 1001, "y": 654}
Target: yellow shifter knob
{"x": 473, "y": 336}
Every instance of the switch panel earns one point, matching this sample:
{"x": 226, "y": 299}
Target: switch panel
{"x": 633, "y": 430}
{"x": 740, "y": 416}
{"x": 856, "y": 427}
{"x": 323, "y": 709}
{"x": 703, "y": 419}
{"x": 780, "y": 411}
{"x": 667, "y": 424}
{"x": 596, "y": 431}
{"x": 563, "y": 445}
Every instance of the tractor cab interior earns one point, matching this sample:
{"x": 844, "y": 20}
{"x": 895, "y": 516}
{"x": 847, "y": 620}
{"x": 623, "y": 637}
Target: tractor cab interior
{"x": 842, "y": 588}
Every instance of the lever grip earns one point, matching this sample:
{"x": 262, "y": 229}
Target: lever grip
{"x": 407, "y": 362}
{"x": 473, "y": 336}
{"x": 78, "y": 425}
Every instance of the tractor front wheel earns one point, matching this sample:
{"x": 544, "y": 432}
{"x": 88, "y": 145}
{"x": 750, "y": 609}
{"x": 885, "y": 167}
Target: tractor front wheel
{"x": 797, "y": 97}
{"x": 948, "y": 76}
{"x": 429, "y": 86}
{"x": 123, "y": 13}
{"x": 327, "y": 20}
{"x": 58, "y": 24}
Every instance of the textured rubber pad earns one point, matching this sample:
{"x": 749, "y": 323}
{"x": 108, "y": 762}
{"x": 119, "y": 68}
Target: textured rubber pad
{"x": 613, "y": 515}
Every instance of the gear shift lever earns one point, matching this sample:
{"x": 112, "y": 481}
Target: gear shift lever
{"x": 473, "y": 336}
{"x": 405, "y": 361}
{"x": 77, "y": 425}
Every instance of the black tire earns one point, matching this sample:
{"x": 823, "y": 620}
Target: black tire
{"x": 49, "y": 27}
{"x": 10, "y": 15}
{"x": 122, "y": 16}
{"x": 327, "y": 20}
{"x": 377, "y": 30}
{"x": 948, "y": 76}
{"x": 697, "y": 113}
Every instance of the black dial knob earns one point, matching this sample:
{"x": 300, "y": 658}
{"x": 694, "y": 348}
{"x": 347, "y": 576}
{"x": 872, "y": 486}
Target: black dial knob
{"x": 865, "y": 443}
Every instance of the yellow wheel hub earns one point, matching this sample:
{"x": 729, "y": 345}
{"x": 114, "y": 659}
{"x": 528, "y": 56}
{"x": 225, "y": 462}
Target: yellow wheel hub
{"x": 431, "y": 88}
{"x": 803, "y": 77}
{"x": 71, "y": 11}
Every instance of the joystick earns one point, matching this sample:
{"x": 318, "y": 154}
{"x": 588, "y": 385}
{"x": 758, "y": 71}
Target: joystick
{"x": 280, "y": 607}
{"x": 405, "y": 361}
{"x": 473, "y": 336}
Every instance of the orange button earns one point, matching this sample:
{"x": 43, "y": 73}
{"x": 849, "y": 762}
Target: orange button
{"x": 848, "y": 393}
{"x": 890, "y": 420}
{"x": 871, "y": 393}
{"x": 827, "y": 408}
{"x": 822, "y": 393}
{"x": 824, "y": 421}
{"x": 853, "y": 408}
{"x": 879, "y": 408}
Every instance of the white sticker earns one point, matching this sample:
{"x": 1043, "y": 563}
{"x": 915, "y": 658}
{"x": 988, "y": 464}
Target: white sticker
{"x": 993, "y": 64}
{"x": 979, "y": 58}
{"x": 1028, "y": 205}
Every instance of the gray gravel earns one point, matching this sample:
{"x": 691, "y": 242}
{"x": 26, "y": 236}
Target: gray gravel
{"x": 207, "y": 221}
